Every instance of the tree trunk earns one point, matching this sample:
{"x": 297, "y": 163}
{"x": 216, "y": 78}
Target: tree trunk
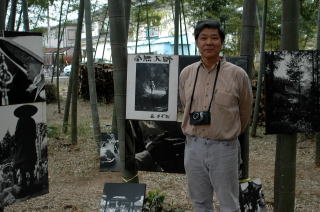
{"x": 118, "y": 12}
{"x": 185, "y": 26}
{"x": 100, "y": 32}
{"x": 19, "y": 21}
{"x": 12, "y": 17}
{"x": 48, "y": 28}
{"x": 3, "y": 13}
{"x": 74, "y": 72}
{"x": 181, "y": 36}
{"x": 24, "y": 8}
{"x": 285, "y": 164}
{"x": 105, "y": 40}
{"x": 317, "y": 160}
{"x": 247, "y": 49}
{"x": 91, "y": 75}
{"x": 176, "y": 26}
{"x": 261, "y": 72}
{"x": 57, "y": 61}
{"x": 148, "y": 26}
{"x": 137, "y": 29}
{"x": 259, "y": 24}
{"x": 73, "y": 80}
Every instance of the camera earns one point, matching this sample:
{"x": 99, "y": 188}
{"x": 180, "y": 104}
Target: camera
{"x": 200, "y": 118}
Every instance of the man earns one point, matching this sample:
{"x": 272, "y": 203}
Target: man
{"x": 216, "y": 96}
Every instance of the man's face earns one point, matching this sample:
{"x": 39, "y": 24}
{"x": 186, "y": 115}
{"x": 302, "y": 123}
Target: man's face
{"x": 33, "y": 70}
{"x": 209, "y": 43}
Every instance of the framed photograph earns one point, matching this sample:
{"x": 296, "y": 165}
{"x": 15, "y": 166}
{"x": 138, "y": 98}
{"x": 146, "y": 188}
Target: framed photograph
{"x": 122, "y": 197}
{"x": 21, "y": 68}
{"x": 292, "y": 91}
{"x": 152, "y": 87}
{"x": 23, "y": 147}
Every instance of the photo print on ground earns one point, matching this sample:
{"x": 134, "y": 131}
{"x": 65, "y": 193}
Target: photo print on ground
{"x": 122, "y": 197}
{"x": 292, "y": 91}
{"x": 109, "y": 153}
{"x": 152, "y": 87}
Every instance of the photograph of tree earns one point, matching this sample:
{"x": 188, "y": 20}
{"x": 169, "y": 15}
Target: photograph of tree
{"x": 122, "y": 197}
{"x": 21, "y": 68}
{"x": 109, "y": 153}
{"x": 23, "y": 152}
{"x": 292, "y": 91}
{"x": 152, "y": 87}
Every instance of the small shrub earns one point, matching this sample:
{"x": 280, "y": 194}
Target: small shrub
{"x": 153, "y": 202}
{"x": 53, "y": 132}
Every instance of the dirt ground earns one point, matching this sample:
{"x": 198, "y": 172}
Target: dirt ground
{"x": 76, "y": 184}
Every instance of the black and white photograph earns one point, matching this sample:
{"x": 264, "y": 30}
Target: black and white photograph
{"x": 152, "y": 87}
{"x": 292, "y": 91}
{"x": 122, "y": 197}
{"x": 251, "y": 196}
{"x": 21, "y": 68}
{"x": 109, "y": 153}
{"x": 159, "y": 147}
{"x": 23, "y": 152}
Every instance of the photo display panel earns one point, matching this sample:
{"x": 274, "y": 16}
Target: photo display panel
{"x": 160, "y": 144}
{"x": 23, "y": 125}
{"x": 292, "y": 91}
{"x": 152, "y": 87}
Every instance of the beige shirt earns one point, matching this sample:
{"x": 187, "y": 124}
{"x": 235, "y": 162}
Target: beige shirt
{"x": 232, "y": 102}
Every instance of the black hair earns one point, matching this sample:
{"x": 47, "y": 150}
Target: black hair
{"x": 212, "y": 24}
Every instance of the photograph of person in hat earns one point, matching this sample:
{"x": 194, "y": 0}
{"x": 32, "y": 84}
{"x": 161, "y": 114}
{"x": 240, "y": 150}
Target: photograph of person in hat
{"x": 25, "y": 157}
{"x": 21, "y": 74}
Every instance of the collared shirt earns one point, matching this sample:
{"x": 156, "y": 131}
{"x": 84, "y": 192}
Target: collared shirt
{"x": 232, "y": 102}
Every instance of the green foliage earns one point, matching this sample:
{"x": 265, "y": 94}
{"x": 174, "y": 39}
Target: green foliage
{"x": 154, "y": 201}
{"x": 308, "y": 23}
{"x": 273, "y": 27}
{"x": 39, "y": 29}
{"x": 54, "y": 131}
{"x": 39, "y": 3}
{"x": 139, "y": 12}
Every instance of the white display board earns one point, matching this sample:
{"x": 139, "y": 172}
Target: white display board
{"x": 152, "y": 87}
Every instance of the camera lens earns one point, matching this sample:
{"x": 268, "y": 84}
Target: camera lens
{"x": 196, "y": 115}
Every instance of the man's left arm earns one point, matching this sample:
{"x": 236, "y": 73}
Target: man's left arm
{"x": 245, "y": 101}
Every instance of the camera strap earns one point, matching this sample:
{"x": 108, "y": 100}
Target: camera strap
{"x": 214, "y": 85}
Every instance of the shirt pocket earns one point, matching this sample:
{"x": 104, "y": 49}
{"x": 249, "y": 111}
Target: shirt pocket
{"x": 225, "y": 99}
